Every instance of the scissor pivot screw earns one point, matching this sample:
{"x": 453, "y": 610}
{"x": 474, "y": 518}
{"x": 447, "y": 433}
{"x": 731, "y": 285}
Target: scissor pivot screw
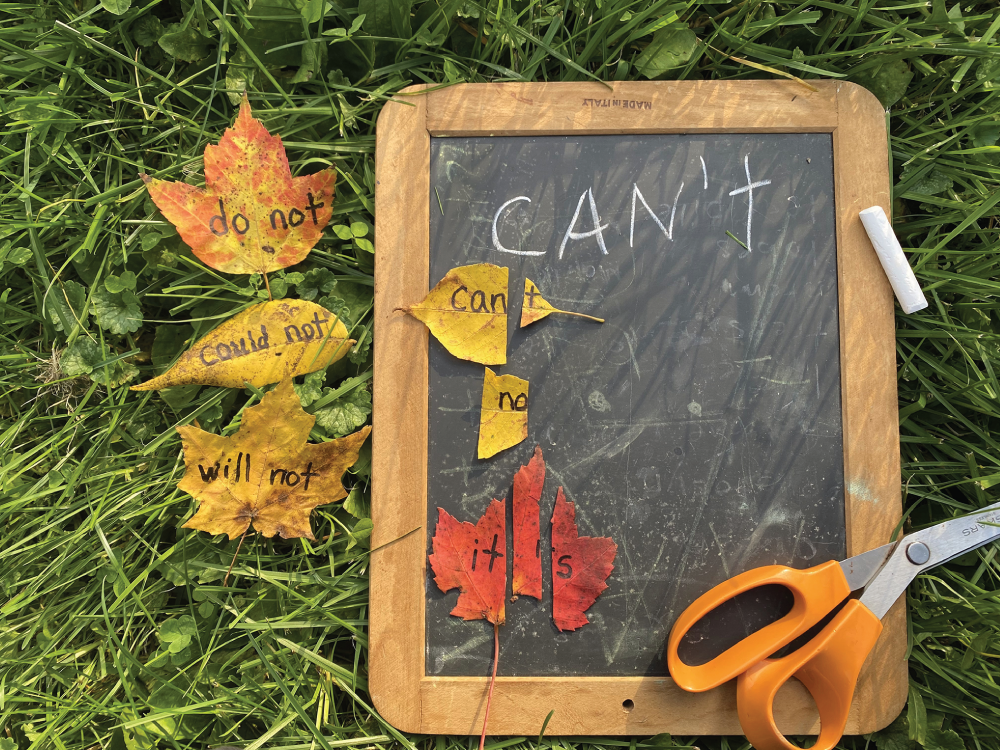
{"x": 918, "y": 553}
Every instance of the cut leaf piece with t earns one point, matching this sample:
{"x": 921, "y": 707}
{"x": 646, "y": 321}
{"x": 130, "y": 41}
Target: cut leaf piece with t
{"x": 262, "y": 345}
{"x": 535, "y": 307}
{"x": 471, "y": 558}
{"x": 467, "y": 313}
{"x": 266, "y": 474}
{"x": 252, "y": 216}
{"x": 527, "y": 576}
{"x": 503, "y": 421}
{"x": 580, "y": 565}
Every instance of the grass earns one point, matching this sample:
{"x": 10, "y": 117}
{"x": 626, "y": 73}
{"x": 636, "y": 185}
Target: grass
{"x": 115, "y": 630}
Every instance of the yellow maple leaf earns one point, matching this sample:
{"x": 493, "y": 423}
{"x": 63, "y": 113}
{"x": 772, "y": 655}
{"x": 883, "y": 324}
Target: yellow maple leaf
{"x": 266, "y": 474}
{"x": 535, "y": 307}
{"x": 503, "y": 421}
{"x": 262, "y": 345}
{"x": 467, "y": 313}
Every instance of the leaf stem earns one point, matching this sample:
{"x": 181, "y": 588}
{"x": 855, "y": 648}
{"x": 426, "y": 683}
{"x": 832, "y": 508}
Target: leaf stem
{"x": 267, "y": 286}
{"x": 581, "y": 315}
{"x": 493, "y": 679}
{"x": 226, "y": 579}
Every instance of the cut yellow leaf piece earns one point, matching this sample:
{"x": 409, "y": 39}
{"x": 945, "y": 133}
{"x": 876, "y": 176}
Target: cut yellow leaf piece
{"x": 503, "y": 422}
{"x": 266, "y": 474}
{"x": 262, "y": 345}
{"x": 535, "y": 307}
{"x": 467, "y": 313}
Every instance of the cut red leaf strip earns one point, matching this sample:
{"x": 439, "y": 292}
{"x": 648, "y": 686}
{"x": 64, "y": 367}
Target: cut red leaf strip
{"x": 472, "y": 558}
{"x": 580, "y": 565}
{"x": 527, "y": 576}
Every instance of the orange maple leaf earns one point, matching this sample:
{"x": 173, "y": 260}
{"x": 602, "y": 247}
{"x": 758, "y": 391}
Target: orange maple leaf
{"x": 266, "y": 474}
{"x": 252, "y": 216}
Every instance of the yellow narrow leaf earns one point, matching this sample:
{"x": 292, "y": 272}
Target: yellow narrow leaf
{"x": 535, "y": 307}
{"x": 503, "y": 422}
{"x": 266, "y": 474}
{"x": 262, "y": 345}
{"x": 467, "y": 313}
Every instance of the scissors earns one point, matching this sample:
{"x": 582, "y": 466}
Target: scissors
{"x": 829, "y": 663}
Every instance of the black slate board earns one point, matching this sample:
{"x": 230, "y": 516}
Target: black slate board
{"x": 699, "y": 427}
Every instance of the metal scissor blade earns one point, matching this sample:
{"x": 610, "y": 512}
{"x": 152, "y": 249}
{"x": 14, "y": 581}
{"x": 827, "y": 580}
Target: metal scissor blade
{"x": 860, "y": 569}
{"x": 943, "y": 542}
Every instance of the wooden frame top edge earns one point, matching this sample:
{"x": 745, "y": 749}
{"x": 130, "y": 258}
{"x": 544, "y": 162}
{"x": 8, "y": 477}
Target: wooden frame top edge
{"x": 634, "y": 107}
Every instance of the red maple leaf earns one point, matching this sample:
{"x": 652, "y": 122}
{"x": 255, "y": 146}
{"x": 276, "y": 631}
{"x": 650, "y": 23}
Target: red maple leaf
{"x": 580, "y": 565}
{"x": 471, "y": 559}
{"x": 252, "y": 216}
{"x": 527, "y": 578}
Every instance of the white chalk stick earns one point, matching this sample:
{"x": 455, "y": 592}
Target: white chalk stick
{"x": 897, "y": 268}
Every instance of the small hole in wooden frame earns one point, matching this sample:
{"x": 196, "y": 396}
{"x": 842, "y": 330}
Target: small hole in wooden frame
{"x": 627, "y": 704}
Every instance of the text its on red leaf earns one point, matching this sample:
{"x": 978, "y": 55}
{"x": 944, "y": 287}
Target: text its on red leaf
{"x": 580, "y": 566}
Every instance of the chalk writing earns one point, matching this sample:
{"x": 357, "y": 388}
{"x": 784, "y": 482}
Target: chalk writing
{"x": 667, "y": 231}
{"x": 597, "y": 229}
{"x": 496, "y": 239}
{"x": 748, "y": 189}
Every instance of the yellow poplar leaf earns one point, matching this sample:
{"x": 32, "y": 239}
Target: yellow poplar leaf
{"x": 535, "y": 307}
{"x": 252, "y": 216}
{"x": 503, "y": 422}
{"x": 467, "y": 313}
{"x": 262, "y": 345}
{"x": 266, "y": 474}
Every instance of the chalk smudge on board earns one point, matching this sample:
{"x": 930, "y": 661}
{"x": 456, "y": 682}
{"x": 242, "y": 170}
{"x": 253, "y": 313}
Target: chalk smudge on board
{"x": 858, "y": 490}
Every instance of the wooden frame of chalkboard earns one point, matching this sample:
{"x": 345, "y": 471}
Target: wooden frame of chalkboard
{"x": 400, "y": 688}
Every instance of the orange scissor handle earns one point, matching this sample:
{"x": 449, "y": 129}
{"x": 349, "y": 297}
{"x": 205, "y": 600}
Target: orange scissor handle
{"x": 828, "y": 666}
{"x": 817, "y": 592}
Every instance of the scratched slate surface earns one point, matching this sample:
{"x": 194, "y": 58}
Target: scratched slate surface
{"x": 699, "y": 427}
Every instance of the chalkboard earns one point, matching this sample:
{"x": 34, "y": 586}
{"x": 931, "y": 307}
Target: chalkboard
{"x": 736, "y": 409}
{"x": 700, "y": 426}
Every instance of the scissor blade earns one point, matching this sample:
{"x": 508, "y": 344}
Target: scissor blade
{"x": 860, "y": 569}
{"x": 944, "y": 542}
